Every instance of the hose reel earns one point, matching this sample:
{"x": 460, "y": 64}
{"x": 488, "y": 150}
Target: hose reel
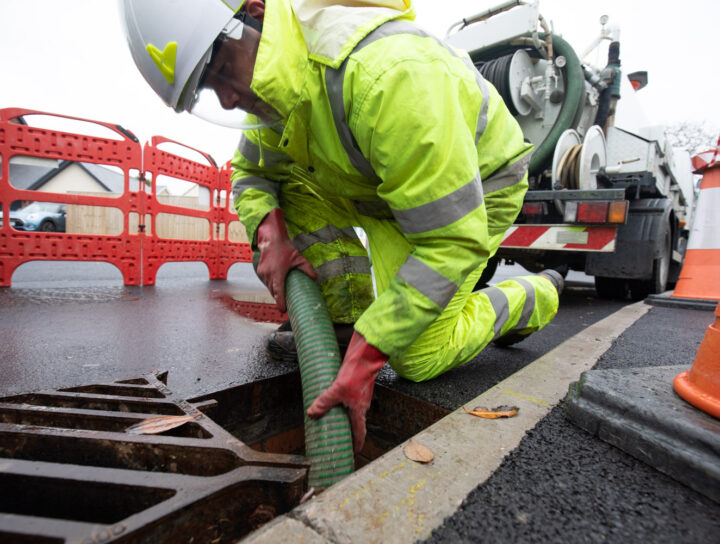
{"x": 576, "y": 162}
{"x": 509, "y": 74}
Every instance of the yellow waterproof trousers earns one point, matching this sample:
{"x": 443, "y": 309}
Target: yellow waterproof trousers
{"x": 321, "y": 227}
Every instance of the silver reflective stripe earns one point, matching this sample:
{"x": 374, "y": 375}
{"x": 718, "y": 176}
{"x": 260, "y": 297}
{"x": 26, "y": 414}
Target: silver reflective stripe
{"x": 484, "y": 91}
{"x": 443, "y": 211}
{"x": 500, "y": 305}
{"x": 528, "y": 307}
{"x": 430, "y": 283}
{"x": 342, "y": 266}
{"x": 334, "y": 79}
{"x": 505, "y": 177}
{"x": 483, "y": 115}
{"x": 324, "y": 235}
{"x": 334, "y": 83}
{"x": 241, "y": 185}
{"x": 251, "y": 152}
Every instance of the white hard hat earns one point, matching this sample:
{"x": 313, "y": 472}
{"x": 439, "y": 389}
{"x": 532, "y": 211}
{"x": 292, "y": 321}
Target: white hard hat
{"x": 171, "y": 42}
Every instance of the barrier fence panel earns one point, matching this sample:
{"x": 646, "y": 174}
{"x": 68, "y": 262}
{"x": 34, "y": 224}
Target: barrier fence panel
{"x": 233, "y": 244}
{"x": 207, "y": 184}
{"x": 134, "y": 207}
{"x": 41, "y": 155}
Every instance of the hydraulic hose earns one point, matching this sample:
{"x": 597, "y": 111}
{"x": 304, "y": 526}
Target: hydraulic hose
{"x": 571, "y": 109}
{"x": 328, "y": 440}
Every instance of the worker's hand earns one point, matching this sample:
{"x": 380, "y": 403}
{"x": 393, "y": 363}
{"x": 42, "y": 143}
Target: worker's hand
{"x": 353, "y": 386}
{"x": 278, "y": 256}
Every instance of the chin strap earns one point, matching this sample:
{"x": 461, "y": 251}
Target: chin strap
{"x": 249, "y": 20}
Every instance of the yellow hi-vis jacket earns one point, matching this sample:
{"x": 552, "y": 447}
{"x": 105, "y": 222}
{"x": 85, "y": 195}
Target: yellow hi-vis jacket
{"x": 378, "y": 112}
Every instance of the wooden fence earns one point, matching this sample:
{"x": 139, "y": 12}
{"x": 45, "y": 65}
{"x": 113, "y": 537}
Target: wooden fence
{"x": 109, "y": 221}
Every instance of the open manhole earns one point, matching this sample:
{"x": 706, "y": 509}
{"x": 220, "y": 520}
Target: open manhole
{"x": 71, "y": 473}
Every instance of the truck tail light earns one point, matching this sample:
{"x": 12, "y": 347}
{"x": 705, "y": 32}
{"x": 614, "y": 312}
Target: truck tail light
{"x": 595, "y": 211}
{"x": 533, "y": 208}
{"x": 618, "y": 212}
{"x": 592, "y": 212}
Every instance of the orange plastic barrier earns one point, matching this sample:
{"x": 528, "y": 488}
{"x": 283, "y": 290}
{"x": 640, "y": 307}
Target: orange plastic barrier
{"x": 218, "y": 252}
{"x": 700, "y": 386}
{"x": 137, "y": 252}
{"x": 700, "y": 275}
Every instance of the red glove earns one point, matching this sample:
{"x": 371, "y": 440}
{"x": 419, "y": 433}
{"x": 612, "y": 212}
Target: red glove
{"x": 353, "y": 386}
{"x": 278, "y": 256}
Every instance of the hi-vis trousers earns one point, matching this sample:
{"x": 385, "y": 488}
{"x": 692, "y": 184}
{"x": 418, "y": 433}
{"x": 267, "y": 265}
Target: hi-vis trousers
{"x": 322, "y": 230}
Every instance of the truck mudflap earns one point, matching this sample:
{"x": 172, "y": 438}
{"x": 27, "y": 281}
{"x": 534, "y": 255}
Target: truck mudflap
{"x": 600, "y": 239}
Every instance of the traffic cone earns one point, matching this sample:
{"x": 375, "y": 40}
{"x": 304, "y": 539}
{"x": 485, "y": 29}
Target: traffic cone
{"x": 700, "y": 274}
{"x": 700, "y": 385}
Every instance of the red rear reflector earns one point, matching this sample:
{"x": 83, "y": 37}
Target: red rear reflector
{"x": 533, "y": 208}
{"x": 592, "y": 212}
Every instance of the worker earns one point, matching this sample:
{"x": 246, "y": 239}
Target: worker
{"x": 359, "y": 118}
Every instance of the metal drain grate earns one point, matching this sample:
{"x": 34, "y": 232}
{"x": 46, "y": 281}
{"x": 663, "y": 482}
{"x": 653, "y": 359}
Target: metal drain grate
{"x": 70, "y": 473}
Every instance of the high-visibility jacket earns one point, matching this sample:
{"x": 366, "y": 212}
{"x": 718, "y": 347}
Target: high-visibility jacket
{"x": 378, "y": 112}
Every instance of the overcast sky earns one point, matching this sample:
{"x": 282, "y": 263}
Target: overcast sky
{"x": 70, "y": 57}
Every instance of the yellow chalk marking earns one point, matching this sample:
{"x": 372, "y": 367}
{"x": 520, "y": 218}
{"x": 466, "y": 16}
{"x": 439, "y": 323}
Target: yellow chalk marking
{"x": 525, "y": 397}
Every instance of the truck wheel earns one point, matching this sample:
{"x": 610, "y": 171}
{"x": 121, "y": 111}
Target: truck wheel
{"x": 639, "y": 289}
{"x": 487, "y": 274}
{"x": 611, "y": 288}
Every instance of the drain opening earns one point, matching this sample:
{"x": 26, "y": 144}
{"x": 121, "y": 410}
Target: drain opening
{"x": 75, "y": 500}
{"x": 125, "y": 454}
{"x": 17, "y": 538}
{"x": 267, "y": 415}
{"x": 81, "y": 477}
{"x": 122, "y": 390}
{"x": 72, "y": 400}
{"x": 88, "y": 421}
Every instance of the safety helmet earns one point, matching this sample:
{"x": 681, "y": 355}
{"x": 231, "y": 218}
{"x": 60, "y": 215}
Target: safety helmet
{"x": 171, "y": 42}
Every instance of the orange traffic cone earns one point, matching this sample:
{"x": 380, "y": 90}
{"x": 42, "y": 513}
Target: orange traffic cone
{"x": 700, "y": 385}
{"x": 700, "y": 274}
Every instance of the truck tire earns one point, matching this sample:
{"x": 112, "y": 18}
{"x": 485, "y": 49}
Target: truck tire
{"x": 639, "y": 289}
{"x": 611, "y": 288}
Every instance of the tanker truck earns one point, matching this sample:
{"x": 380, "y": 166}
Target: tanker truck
{"x": 611, "y": 202}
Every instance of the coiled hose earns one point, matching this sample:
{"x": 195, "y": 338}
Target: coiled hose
{"x": 328, "y": 440}
{"x": 571, "y": 110}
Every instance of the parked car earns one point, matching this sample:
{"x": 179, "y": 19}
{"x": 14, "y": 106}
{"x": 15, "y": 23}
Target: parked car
{"x": 40, "y": 216}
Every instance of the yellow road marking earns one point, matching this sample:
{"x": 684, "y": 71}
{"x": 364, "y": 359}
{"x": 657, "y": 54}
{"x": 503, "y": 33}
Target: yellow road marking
{"x": 525, "y": 397}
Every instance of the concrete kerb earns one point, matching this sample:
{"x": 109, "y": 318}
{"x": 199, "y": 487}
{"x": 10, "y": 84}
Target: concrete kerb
{"x": 666, "y": 300}
{"x": 394, "y": 499}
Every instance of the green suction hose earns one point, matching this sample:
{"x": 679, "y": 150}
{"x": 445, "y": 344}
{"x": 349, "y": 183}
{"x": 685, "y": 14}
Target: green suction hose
{"x": 328, "y": 441}
{"x": 571, "y": 108}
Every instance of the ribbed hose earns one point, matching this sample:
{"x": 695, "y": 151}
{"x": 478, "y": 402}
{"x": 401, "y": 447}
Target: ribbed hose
{"x": 328, "y": 441}
{"x": 571, "y": 109}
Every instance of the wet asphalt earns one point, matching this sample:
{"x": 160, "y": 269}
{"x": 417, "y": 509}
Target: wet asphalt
{"x": 564, "y": 485}
{"x": 65, "y": 324}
